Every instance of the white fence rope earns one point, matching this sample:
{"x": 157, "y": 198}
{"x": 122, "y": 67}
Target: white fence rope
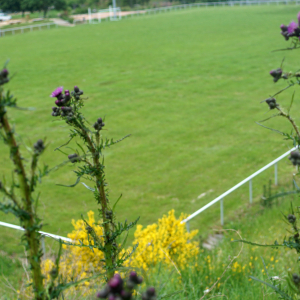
{"x": 248, "y": 179}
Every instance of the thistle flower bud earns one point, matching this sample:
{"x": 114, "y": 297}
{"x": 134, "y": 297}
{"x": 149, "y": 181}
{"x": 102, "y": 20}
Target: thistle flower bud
{"x": 66, "y": 111}
{"x": 285, "y": 34}
{"x": 74, "y": 158}
{"x": 126, "y": 295}
{"x": 4, "y": 76}
{"x": 53, "y": 273}
{"x": 295, "y": 158}
{"x": 291, "y": 218}
{"x": 39, "y": 146}
{"x": 151, "y": 291}
{"x": 89, "y": 229}
{"x": 99, "y": 124}
{"x": 283, "y": 27}
{"x": 272, "y": 103}
{"x": 108, "y": 214}
{"x": 76, "y": 89}
{"x": 135, "y": 278}
{"x": 67, "y": 98}
{"x": 116, "y": 283}
{"x": 4, "y": 73}
{"x": 296, "y": 278}
{"x": 59, "y": 103}
{"x": 276, "y": 74}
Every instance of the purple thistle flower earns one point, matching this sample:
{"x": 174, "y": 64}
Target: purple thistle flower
{"x": 291, "y": 28}
{"x": 298, "y": 17}
{"x": 57, "y": 92}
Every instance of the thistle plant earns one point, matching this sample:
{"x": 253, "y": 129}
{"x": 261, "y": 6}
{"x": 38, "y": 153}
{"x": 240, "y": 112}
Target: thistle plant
{"x": 291, "y": 290}
{"x": 89, "y": 161}
{"x": 18, "y": 195}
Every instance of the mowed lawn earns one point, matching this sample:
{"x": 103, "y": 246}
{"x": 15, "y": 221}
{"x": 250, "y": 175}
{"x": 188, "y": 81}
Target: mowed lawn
{"x": 187, "y": 85}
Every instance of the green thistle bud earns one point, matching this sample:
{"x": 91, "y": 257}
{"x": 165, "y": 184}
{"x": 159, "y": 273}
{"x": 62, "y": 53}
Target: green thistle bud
{"x": 296, "y": 278}
{"x": 89, "y": 229}
{"x": 291, "y": 218}
{"x": 39, "y": 146}
{"x": 54, "y": 273}
{"x": 74, "y": 158}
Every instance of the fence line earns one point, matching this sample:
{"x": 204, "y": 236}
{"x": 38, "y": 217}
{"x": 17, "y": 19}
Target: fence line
{"x": 248, "y": 179}
{"x": 44, "y": 234}
{"x": 30, "y": 27}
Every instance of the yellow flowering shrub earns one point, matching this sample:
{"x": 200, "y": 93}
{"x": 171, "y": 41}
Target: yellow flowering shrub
{"x": 86, "y": 259}
{"x": 78, "y": 262}
{"x": 167, "y": 242}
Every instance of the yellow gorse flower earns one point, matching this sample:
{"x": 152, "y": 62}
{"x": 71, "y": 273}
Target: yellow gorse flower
{"x": 166, "y": 242}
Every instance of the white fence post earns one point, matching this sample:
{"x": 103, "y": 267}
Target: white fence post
{"x": 276, "y": 174}
{"x": 222, "y": 211}
{"x": 43, "y": 245}
{"x": 250, "y": 190}
{"x": 188, "y": 226}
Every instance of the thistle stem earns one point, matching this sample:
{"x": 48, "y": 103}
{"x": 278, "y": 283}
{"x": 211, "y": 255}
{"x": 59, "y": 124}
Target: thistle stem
{"x": 287, "y": 116}
{"x": 99, "y": 180}
{"x": 29, "y": 223}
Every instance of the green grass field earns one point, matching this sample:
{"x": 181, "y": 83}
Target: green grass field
{"x": 186, "y": 85}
